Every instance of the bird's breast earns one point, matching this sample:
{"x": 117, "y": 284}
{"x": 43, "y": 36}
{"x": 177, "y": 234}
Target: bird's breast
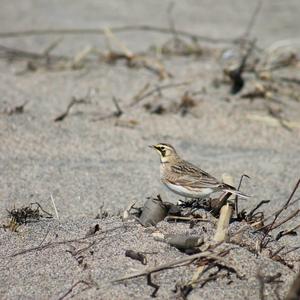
{"x": 163, "y": 171}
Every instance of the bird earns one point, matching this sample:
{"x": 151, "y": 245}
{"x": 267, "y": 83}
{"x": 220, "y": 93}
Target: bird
{"x": 186, "y": 179}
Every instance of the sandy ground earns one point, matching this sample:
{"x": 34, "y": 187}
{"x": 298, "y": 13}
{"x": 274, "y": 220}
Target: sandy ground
{"x": 85, "y": 163}
{"x": 51, "y": 272}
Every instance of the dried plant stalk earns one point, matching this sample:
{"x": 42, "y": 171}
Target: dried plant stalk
{"x": 221, "y": 234}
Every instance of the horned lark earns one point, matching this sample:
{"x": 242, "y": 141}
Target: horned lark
{"x": 185, "y": 179}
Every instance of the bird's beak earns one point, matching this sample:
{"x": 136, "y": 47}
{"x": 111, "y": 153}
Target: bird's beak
{"x": 152, "y": 146}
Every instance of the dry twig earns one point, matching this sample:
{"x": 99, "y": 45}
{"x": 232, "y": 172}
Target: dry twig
{"x": 269, "y": 227}
{"x": 88, "y": 283}
{"x": 54, "y": 244}
{"x": 99, "y": 31}
{"x": 172, "y": 264}
{"x": 138, "y": 98}
{"x": 253, "y": 19}
{"x": 73, "y": 101}
{"x": 291, "y": 231}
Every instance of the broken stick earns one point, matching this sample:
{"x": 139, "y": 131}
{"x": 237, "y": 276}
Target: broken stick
{"x": 221, "y": 234}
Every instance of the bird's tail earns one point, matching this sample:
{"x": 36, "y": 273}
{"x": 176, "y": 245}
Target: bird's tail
{"x": 235, "y": 192}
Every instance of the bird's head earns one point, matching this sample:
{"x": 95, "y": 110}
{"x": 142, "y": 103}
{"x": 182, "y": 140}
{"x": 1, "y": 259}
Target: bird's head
{"x": 166, "y": 152}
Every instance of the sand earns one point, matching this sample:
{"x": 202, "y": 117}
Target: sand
{"x": 85, "y": 164}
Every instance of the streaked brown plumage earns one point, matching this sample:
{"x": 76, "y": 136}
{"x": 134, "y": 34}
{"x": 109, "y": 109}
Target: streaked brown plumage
{"x": 186, "y": 179}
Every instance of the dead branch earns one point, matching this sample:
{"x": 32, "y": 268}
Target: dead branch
{"x": 291, "y": 250}
{"x": 288, "y": 218}
{"x": 35, "y": 60}
{"x": 235, "y": 75}
{"x": 152, "y": 284}
{"x": 111, "y": 37}
{"x": 267, "y": 228}
{"x": 187, "y": 219}
{"x": 172, "y": 264}
{"x": 99, "y": 31}
{"x": 75, "y": 252}
{"x": 138, "y": 61}
{"x": 141, "y": 92}
{"x": 202, "y": 269}
{"x": 73, "y": 101}
{"x": 118, "y": 111}
{"x": 288, "y": 263}
{"x": 116, "y": 114}
{"x": 138, "y": 98}
{"x": 284, "y": 207}
{"x": 187, "y": 288}
{"x": 277, "y": 252}
{"x": 52, "y": 46}
{"x": 133, "y": 60}
{"x": 251, "y": 213}
{"x": 274, "y": 213}
{"x": 11, "y": 54}
{"x": 229, "y": 269}
{"x": 253, "y": 19}
{"x": 44, "y": 238}
{"x": 58, "y": 243}
{"x": 153, "y": 65}
{"x": 236, "y": 205}
{"x": 88, "y": 284}
{"x": 291, "y": 231}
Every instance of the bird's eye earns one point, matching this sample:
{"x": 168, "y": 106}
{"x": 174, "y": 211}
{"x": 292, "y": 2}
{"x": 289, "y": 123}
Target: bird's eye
{"x": 162, "y": 148}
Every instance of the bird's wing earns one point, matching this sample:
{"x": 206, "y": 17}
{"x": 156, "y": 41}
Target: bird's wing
{"x": 192, "y": 176}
